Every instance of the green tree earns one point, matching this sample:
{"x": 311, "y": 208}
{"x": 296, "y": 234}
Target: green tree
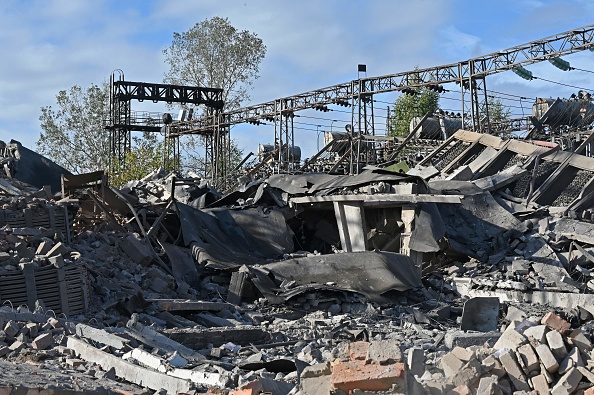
{"x": 498, "y": 115}
{"x": 215, "y": 54}
{"x": 73, "y": 136}
{"x": 72, "y": 133}
{"x": 146, "y": 155}
{"x": 416, "y": 103}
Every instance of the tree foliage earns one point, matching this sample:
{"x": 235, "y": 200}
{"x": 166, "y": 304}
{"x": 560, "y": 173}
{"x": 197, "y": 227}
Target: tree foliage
{"x": 72, "y": 133}
{"x": 146, "y": 155}
{"x": 408, "y": 106}
{"x": 496, "y": 109}
{"x": 215, "y": 54}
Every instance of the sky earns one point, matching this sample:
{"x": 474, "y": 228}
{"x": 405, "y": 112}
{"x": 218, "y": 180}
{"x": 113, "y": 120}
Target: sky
{"x": 51, "y": 45}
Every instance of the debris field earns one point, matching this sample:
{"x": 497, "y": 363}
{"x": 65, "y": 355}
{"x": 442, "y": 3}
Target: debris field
{"x": 472, "y": 273}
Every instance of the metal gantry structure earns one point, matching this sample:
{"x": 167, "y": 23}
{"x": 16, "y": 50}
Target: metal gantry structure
{"x": 470, "y": 75}
{"x": 122, "y": 120}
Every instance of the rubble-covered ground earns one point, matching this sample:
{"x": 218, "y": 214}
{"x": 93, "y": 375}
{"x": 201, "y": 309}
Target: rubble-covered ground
{"x": 167, "y": 286}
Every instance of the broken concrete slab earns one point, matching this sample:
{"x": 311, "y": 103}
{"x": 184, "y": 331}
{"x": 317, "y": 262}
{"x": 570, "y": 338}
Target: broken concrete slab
{"x": 128, "y": 371}
{"x": 480, "y": 314}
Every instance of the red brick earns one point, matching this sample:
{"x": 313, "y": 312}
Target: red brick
{"x": 348, "y": 376}
{"x": 358, "y": 351}
{"x": 555, "y": 322}
{"x": 589, "y": 391}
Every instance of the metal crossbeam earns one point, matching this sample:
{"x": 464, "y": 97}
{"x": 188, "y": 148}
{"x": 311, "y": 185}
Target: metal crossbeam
{"x": 463, "y": 73}
{"x": 128, "y": 90}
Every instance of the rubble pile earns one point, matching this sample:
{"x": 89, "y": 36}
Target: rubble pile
{"x": 472, "y": 279}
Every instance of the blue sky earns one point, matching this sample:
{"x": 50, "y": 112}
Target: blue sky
{"x": 49, "y": 45}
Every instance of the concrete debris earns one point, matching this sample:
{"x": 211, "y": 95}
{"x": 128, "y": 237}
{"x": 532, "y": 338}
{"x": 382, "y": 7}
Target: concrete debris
{"x": 471, "y": 274}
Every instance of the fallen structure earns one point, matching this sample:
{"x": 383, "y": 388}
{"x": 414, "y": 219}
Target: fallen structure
{"x": 470, "y": 273}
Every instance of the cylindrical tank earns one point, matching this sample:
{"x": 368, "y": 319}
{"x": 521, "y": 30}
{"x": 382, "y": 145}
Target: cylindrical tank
{"x": 265, "y": 148}
{"x": 571, "y": 113}
{"x": 294, "y": 157}
{"x": 436, "y": 128}
{"x": 286, "y": 157}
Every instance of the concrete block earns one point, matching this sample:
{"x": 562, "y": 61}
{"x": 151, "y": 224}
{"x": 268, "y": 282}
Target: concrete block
{"x": 17, "y": 346}
{"x": 572, "y": 360}
{"x": 384, "y": 352}
{"x": 316, "y": 385}
{"x": 4, "y": 350}
{"x": 463, "y": 354}
{"x": 55, "y": 323}
{"x": 547, "y": 358}
{"x": 317, "y": 370}
{"x": 489, "y": 386}
{"x": 75, "y": 362}
{"x": 11, "y": 329}
{"x": 416, "y": 361}
{"x": 450, "y": 364}
{"x": 511, "y": 339}
{"x": 493, "y": 366}
{"x": 348, "y": 376}
{"x": 468, "y": 375}
{"x": 537, "y": 333}
{"x": 33, "y": 329}
{"x": 138, "y": 251}
{"x": 555, "y": 322}
{"x": 540, "y": 384}
{"x": 586, "y": 373}
{"x": 463, "y": 339}
{"x": 515, "y": 314}
{"x": 460, "y": 390}
{"x": 316, "y": 379}
{"x": 580, "y": 340}
{"x": 556, "y": 344}
{"x": 529, "y": 358}
{"x": 513, "y": 371}
{"x": 43, "y": 341}
{"x": 568, "y": 383}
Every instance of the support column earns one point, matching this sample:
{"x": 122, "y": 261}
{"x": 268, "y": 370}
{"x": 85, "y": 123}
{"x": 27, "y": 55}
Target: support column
{"x": 408, "y": 217}
{"x": 350, "y": 217}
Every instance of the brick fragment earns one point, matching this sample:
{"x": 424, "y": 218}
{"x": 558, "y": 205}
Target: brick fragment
{"x": 579, "y": 339}
{"x": 450, "y": 364}
{"x": 555, "y": 322}
{"x": 513, "y": 371}
{"x": 572, "y": 360}
{"x": 43, "y": 341}
{"x": 462, "y": 354}
{"x": 547, "y": 358}
{"x": 568, "y": 383}
{"x": 511, "y": 339}
{"x": 384, "y": 352}
{"x": 540, "y": 384}
{"x": 529, "y": 358}
{"x": 556, "y": 344}
{"x": 348, "y": 376}
{"x": 537, "y": 333}
{"x": 489, "y": 386}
